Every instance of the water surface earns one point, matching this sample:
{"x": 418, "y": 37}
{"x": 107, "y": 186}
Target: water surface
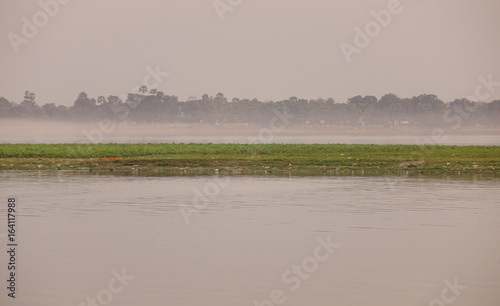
{"x": 401, "y": 238}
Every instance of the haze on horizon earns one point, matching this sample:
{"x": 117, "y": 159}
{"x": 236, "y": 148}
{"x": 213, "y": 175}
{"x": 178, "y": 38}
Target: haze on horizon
{"x": 270, "y": 50}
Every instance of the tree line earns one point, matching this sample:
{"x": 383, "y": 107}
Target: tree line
{"x": 152, "y": 106}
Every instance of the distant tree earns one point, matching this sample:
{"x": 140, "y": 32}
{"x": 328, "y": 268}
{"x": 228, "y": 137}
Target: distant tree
{"x": 29, "y": 99}
{"x": 114, "y": 101}
{"x": 101, "y": 100}
{"x": 428, "y": 110}
{"x": 363, "y": 102}
{"x": 5, "y": 107}
{"x": 4, "y": 102}
{"x": 149, "y": 110}
{"x": 389, "y": 99}
{"x": 50, "y": 109}
{"x": 131, "y": 97}
{"x": 424, "y": 110}
{"x": 491, "y": 113}
{"x": 391, "y": 108}
{"x": 84, "y": 107}
{"x": 143, "y": 89}
{"x": 83, "y": 101}
{"x": 134, "y": 99}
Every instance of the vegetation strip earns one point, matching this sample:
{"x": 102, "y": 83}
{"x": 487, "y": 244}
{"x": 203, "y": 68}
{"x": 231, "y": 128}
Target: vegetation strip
{"x": 253, "y": 158}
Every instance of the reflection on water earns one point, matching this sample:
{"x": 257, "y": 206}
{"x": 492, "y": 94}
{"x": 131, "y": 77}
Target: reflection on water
{"x": 401, "y": 238}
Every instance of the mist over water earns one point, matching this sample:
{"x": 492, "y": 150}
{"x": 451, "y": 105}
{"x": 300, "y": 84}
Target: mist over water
{"x": 22, "y": 131}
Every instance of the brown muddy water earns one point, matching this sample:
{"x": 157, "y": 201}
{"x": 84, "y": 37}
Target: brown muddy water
{"x": 90, "y": 239}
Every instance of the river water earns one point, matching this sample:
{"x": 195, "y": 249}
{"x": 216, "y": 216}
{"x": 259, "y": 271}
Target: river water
{"x": 252, "y": 240}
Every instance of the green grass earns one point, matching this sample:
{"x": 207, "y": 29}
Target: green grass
{"x": 300, "y": 158}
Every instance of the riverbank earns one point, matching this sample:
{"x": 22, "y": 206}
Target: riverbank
{"x": 250, "y": 159}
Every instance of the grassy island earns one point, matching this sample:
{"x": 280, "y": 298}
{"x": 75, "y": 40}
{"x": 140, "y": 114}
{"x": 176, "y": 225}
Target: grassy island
{"x": 252, "y": 158}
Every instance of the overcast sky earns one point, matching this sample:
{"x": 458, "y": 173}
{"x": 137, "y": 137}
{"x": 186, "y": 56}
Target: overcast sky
{"x": 265, "y": 49}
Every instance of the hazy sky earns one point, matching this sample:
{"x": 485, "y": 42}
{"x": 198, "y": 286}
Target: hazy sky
{"x": 265, "y": 49}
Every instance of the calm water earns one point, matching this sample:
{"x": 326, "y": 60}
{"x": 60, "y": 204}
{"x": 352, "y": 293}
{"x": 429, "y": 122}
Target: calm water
{"x": 400, "y": 240}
